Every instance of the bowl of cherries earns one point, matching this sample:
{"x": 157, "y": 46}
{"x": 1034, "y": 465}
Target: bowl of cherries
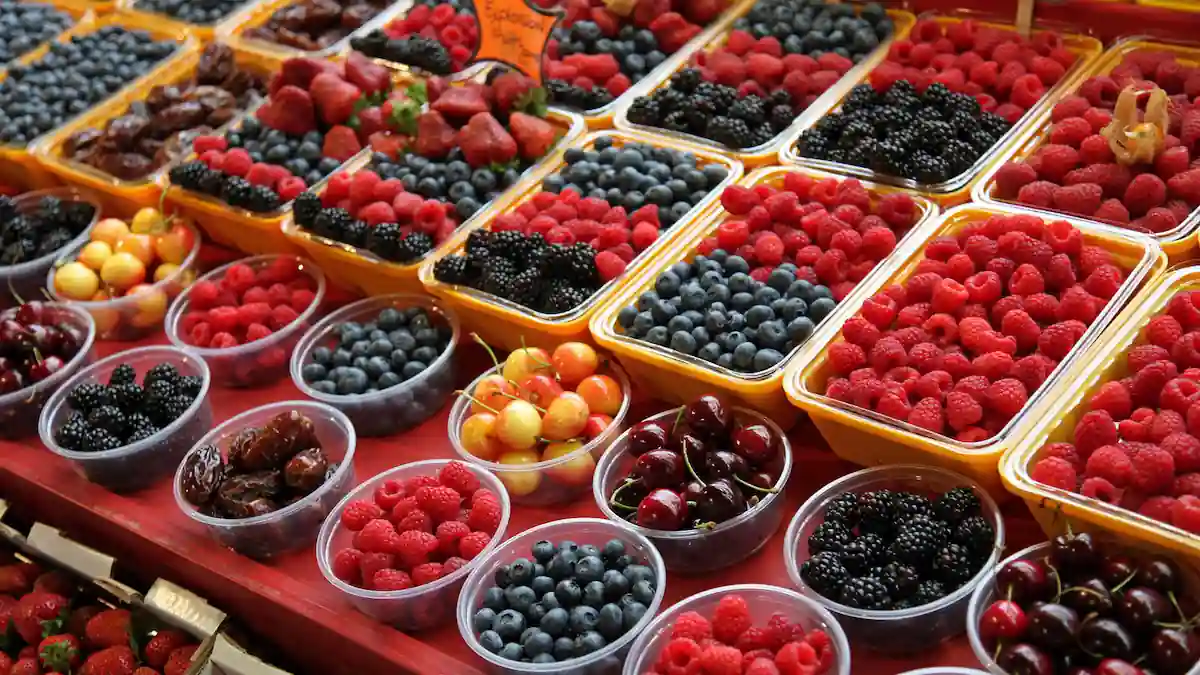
{"x": 701, "y": 481}
{"x": 41, "y": 345}
{"x": 1079, "y": 606}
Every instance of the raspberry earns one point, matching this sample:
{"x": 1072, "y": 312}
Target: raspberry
{"x": 760, "y": 666}
{"x": 927, "y": 414}
{"x": 846, "y": 357}
{"x": 441, "y": 503}
{"x": 377, "y": 536}
{"x": 346, "y": 565}
{"x": 1165, "y": 423}
{"x": 1101, "y": 489}
{"x": 372, "y": 563}
{"x": 730, "y": 618}
{"x": 691, "y": 626}
{"x": 984, "y": 287}
{"x": 738, "y": 199}
{"x": 1149, "y": 382}
{"x": 1038, "y": 193}
{"x": 753, "y": 638}
{"x": 888, "y": 353}
{"x": 1056, "y": 160}
{"x": 893, "y": 405}
{"x": 457, "y": 476}
{"x": 485, "y": 516}
{"x": 1153, "y": 470}
{"x": 1042, "y": 307}
{"x": 1083, "y": 198}
{"x": 1186, "y": 484}
{"x": 898, "y": 209}
{"x": 413, "y": 547}
{"x": 1113, "y": 398}
{"x": 1145, "y": 192}
{"x": 1094, "y": 150}
{"x": 962, "y": 410}
{"x": 880, "y": 310}
{"x": 1026, "y": 280}
{"x": 925, "y": 357}
{"x": 1171, "y": 162}
{"x": 1070, "y": 131}
{"x": 415, "y": 519}
{"x": 1013, "y": 176}
{"x": 1185, "y": 186}
{"x": 1179, "y": 394}
{"x": 679, "y": 655}
{"x": 1096, "y": 428}
{"x": 1006, "y": 397}
{"x": 861, "y": 332}
{"x": 796, "y": 658}
{"x": 1184, "y": 450}
{"x": 473, "y": 544}
{"x": 388, "y": 494}
{"x": 391, "y": 580}
{"x": 448, "y": 534}
{"x": 426, "y": 573}
{"x": 1055, "y": 472}
{"x": 1143, "y": 355}
{"x": 1019, "y": 325}
{"x": 1110, "y": 463}
{"x": 1070, "y": 106}
{"x": 1186, "y": 350}
{"x": 358, "y": 513}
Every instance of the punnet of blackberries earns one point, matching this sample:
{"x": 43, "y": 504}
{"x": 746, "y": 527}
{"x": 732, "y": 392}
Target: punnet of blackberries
{"x": 894, "y": 550}
{"x": 25, "y": 25}
{"x": 434, "y": 36}
{"x": 929, "y": 137}
{"x": 122, "y": 412}
{"x": 36, "y": 230}
{"x": 200, "y": 12}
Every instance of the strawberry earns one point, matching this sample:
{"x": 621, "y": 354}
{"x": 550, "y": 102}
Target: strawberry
{"x": 14, "y": 580}
{"x": 300, "y": 72}
{"x": 334, "y": 97}
{"x": 365, "y": 74}
{"x": 703, "y": 12}
{"x": 435, "y": 87}
{"x": 59, "y": 652}
{"x": 25, "y": 666}
{"x": 108, "y": 629}
{"x": 179, "y": 661}
{"x": 77, "y": 620}
{"x": 371, "y": 120}
{"x": 435, "y": 137}
{"x": 508, "y": 88}
{"x": 341, "y": 143}
{"x": 389, "y": 144}
{"x": 112, "y": 661}
{"x": 462, "y": 102}
{"x": 535, "y": 136}
{"x": 290, "y": 110}
{"x": 645, "y": 11}
{"x": 159, "y": 648}
{"x": 484, "y": 141}
{"x": 55, "y": 581}
{"x": 32, "y": 610}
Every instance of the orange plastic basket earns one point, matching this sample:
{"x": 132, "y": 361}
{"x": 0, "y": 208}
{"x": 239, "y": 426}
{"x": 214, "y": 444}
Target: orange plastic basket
{"x": 958, "y": 189}
{"x": 1179, "y": 243}
{"x": 507, "y": 325}
{"x": 129, "y": 8}
{"x": 869, "y": 438}
{"x": 678, "y": 378}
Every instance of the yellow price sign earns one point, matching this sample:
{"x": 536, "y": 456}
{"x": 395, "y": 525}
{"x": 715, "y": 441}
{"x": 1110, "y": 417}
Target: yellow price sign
{"x": 514, "y": 33}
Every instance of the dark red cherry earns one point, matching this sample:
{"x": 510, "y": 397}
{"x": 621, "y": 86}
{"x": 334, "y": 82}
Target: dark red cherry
{"x": 647, "y": 436}
{"x": 30, "y": 313}
{"x": 1024, "y": 580}
{"x": 693, "y": 490}
{"x": 45, "y": 368}
{"x": 1117, "y": 667}
{"x": 1116, "y": 568}
{"x": 719, "y": 501}
{"x": 1173, "y": 651}
{"x": 756, "y": 443}
{"x": 1003, "y": 619}
{"x": 1106, "y": 638}
{"x": 659, "y": 468}
{"x": 14, "y": 336}
{"x": 662, "y": 509}
{"x": 11, "y": 380}
{"x": 1074, "y": 553}
{"x": 762, "y": 480}
{"x": 724, "y": 464}
{"x": 707, "y": 415}
{"x": 1087, "y": 596}
{"x": 1140, "y": 607}
{"x": 1053, "y": 626}
{"x": 1025, "y": 659}
{"x": 1159, "y": 574}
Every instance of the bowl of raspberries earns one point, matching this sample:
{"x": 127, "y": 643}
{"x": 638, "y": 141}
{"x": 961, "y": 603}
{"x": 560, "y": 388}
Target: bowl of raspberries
{"x": 396, "y": 547}
{"x": 894, "y": 552}
{"x": 126, "y": 420}
{"x": 749, "y": 628}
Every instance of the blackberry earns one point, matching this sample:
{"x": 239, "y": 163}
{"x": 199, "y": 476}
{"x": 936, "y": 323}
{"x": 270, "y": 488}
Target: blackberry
{"x": 479, "y": 240}
{"x": 190, "y": 385}
{"x": 976, "y": 535}
{"x": 122, "y": 374}
{"x": 139, "y": 427}
{"x": 928, "y": 591}
{"x": 929, "y": 169}
{"x": 354, "y": 233}
{"x": 958, "y": 156}
{"x": 781, "y": 117}
{"x": 729, "y": 131}
{"x": 532, "y": 254}
{"x": 937, "y": 94}
{"x": 100, "y": 440}
{"x": 305, "y": 208}
{"x": 262, "y": 199}
{"x": 918, "y": 541}
{"x": 415, "y": 246}
{"x": 236, "y": 190}
{"x": 141, "y": 434}
{"x": 829, "y": 536}
{"x": 507, "y": 244}
{"x": 957, "y": 504}
{"x": 72, "y": 434}
{"x": 900, "y": 580}
{"x": 954, "y": 565}
{"x": 451, "y": 270}
{"x": 527, "y": 287}
{"x": 18, "y": 252}
{"x": 190, "y": 175}
{"x": 676, "y": 121}
{"x": 331, "y": 222}
{"x": 761, "y": 135}
{"x": 686, "y": 80}
{"x": 907, "y": 506}
{"x": 843, "y": 509}
{"x": 862, "y": 96}
{"x": 825, "y": 573}
{"x": 128, "y": 397}
{"x": 865, "y": 593}
{"x": 863, "y": 553}
{"x": 162, "y": 372}
{"x": 384, "y": 241}
{"x": 875, "y": 511}
{"x": 995, "y": 125}
{"x": 107, "y": 417}
{"x": 749, "y": 109}
{"x": 575, "y": 263}
{"x": 54, "y": 240}
{"x": 498, "y": 277}
{"x": 566, "y": 300}
{"x": 87, "y": 397}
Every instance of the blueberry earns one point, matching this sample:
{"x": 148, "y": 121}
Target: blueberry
{"x": 741, "y": 301}
{"x": 663, "y": 311}
{"x": 424, "y": 354}
{"x": 820, "y": 308}
{"x": 554, "y": 623}
{"x": 636, "y": 573}
{"x": 542, "y": 585}
{"x": 519, "y": 598}
{"x": 735, "y": 263}
{"x": 509, "y": 625}
{"x": 588, "y": 643}
{"x": 568, "y": 592}
{"x": 543, "y": 551}
{"x": 631, "y": 614}
{"x": 353, "y": 381}
{"x": 482, "y": 621}
{"x": 401, "y": 338}
{"x": 757, "y": 314}
{"x": 589, "y": 568}
{"x": 582, "y": 618}
{"x": 512, "y": 651}
{"x": 683, "y": 342}
{"x": 561, "y": 566}
{"x": 550, "y": 601}
{"x": 312, "y": 372}
{"x": 491, "y": 641}
{"x": 801, "y": 289}
{"x": 743, "y": 355}
{"x": 564, "y": 648}
{"x": 710, "y": 352}
{"x": 772, "y": 334}
{"x": 718, "y": 293}
{"x": 593, "y": 594}
{"x": 626, "y": 317}
{"x": 397, "y": 359}
{"x": 376, "y": 367}
{"x": 658, "y": 335}
{"x": 538, "y": 644}
{"x": 647, "y": 300}
{"x": 493, "y": 599}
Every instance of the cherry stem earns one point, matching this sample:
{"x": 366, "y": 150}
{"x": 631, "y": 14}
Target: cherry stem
{"x": 1175, "y": 604}
{"x": 678, "y": 415}
{"x": 755, "y": 487}
{"x": 688, "y": 463}
{"x": 491, "y": 353}
{"x": 541, "y": 364}
{"x": 518, "y": 398}
{"x": 1124, "y": 581}
{"x": 476, "y": 401}
{"x": 1083, "y": 589}
{"x": 612, "y": 499}
{"x": 1058, "y": 591}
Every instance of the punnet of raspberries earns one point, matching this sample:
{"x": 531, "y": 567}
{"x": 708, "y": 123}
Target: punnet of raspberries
{"x": 1076, "y": 171}
{"x": 731, "y": 641}
{"x": 437, "y": 37}
{"x": 1005, "y": 72}
{"x": 961, "y": 345}
{"x": 1137, "y": 446}
{"x": 775, "y": 62}
{"x": 415, "y": 531}
{"x": 774, "y": 269}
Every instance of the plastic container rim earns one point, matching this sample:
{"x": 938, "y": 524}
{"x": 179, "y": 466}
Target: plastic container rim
{"x": 76, "y": 194}
{"x": 612, "y": 455}
{"x": 85, "y": 348}
{"x": 278, "y": 49}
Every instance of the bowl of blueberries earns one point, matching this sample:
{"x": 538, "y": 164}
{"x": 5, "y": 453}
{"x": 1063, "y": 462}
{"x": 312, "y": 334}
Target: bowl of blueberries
{"x": 387, "y": 362}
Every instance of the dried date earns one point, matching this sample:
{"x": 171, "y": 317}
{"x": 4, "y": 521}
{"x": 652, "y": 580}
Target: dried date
{"x": 203, "y": 473}
{"x": 305, "y": 471}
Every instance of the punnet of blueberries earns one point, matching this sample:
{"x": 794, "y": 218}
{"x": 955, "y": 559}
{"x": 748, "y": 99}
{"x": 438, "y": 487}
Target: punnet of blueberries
{"x": 201, "y": 12}
{"x": 38, "y": 232}
{"x": 814, "y": 27}
{"x": 712, "y": 309}
{"x": 25, "y": 25}
{"x": 363, "y": 358}
{"x": 564, "y": 602}
{"x": 72, "y": 77}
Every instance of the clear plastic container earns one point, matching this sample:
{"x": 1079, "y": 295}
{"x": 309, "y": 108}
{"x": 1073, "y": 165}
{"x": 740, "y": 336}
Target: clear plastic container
{"x": 19, "y": 410}
{"x": 555, "y": 481}
{"x": 257, "y": 363}
{"x": 593, "y": 531}
{"x": 944, "y": 670}
{"x": 260, "y": 13}
{"x": 763, "y": 602}
{"x": 395, "y": 409}
{"x": 296, "y": 525}
{"x": 137, "y": 465}
{"x": 900, "y": 631}
{"x": 987, "y": 592}
{"x": 131, "y": 317}
{"x": 420, "y": 607}
{"x": 26, "y": 280}
{"x": 701, "y": 551}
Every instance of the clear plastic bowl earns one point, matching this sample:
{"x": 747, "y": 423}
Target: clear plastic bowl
{"x": 556, "y": 481}
{"x": 420, "y": 607}
{"x": 137, "y": 465}
{"x": 986, "y": 592}
{"x": 593, "y": 531}
{"x": 763, "y": 602}
{"x": 296, "y": 525}
{"x": 20, "y": 409}
{"x": 395, "y": 409}
{"x": 26, "y": 280}
{"x": 700, "y": 551}
{"x": 899, "y": 631}
{"x": 255, "y": 363}
{"x": 131, "y": 317}
{"x": 944, "y": 670}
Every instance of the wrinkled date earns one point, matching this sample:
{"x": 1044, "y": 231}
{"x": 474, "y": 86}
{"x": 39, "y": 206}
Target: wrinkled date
{"x": 295, "y": 430}
{"x": 203, "y": 472}
{"x": 305, "y": 472}
{"x": 312, "y": 25}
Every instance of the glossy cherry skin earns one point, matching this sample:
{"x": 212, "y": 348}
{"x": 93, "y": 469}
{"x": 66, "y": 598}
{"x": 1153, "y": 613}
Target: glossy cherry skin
{"x": 1140, "y": 607}
{"x": 45, "y": 368}
{"x": 1116, "y": 568}
{"x": 719, "y": 501}
{"x": 693, "y": 490}
{"x": 662, "y": 509}
{"x": 647, "y": 436}
{"x": 1173, "y": 652}
{"x": 1024, "y": 580}
{"x": 1106, "y": 638}
{"x": 1053, "y": 626}
{"x": 659, "y": 468}
{"x": 30, "y": 313}
{"x": 1074, "y": 553}
{"x": 11, "y": 380}
{"x": 724, "y": 464}
{"x": 1159, "y": 574}
{"x": 756, "y": 443}
{"x": 1088, "y": 595}
{"x": 1117, "y": 667}
{"x": 1025, "y": 659}
{"x": 1003, "y": 619}
{"x": 707, "y": 415}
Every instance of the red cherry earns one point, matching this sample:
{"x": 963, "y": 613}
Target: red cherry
{"x": 30, "y": 313}
{"x": 662, "y": 509}
{"x": 756, "y": 443}
{"x": 45, "y": 368}
{"x": 1003, "y": 619}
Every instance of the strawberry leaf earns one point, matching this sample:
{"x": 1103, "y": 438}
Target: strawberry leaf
{"x": 532, "y": 102}
{"x": 57, "y": 656}
{"x": 10, "y": 640}
{"x": 497, "y": 167}
{"x": 55, "y": 626}
{"x": 418, "y": 92}
{"x": 404, "y": 117}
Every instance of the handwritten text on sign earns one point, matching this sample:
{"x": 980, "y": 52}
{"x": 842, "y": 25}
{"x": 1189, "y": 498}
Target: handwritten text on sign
{"x": 512, "y": 32}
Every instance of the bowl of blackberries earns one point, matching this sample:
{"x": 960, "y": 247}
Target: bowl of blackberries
{"x": 1084, "y": 604}
{"x": 245, "y": 318}
{"x": 126, "y": 420}
{"x": 565, "y": 597}
{"x": 263, "y": 482}
{"x": 704, "y": 482}
{"x": 41, "y": 346}
{"x": 895, "y": 552}
{"x": 387, "y": 362}
{"x": 34, "y": 229}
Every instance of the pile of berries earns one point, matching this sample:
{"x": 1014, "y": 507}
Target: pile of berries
{"x": 774, "y": 64}
{"x": 1084, "y": 609}
{"x": 564, "y": 602}
{"x": 740, "y": 305}
{"x": 246, "y": 305}
{"x": 960, "y": 346}
{"x": 24, "y": 26}
{"x": 201, "y": 12}
{"x": 41, "y": 231}
{"x": 416, "y": 531}
{"x": 1076, "y": 171}
{"x": 594, "y": 55}
{"x": 929, "y": 137}
{"x": 36, "y": 341}
{"x": 432, "y": 36}
{"x": 56, "y": 627}
{"x": 1138, "y": 444}
{"x": 72, "y": 77}
{"x": 394, "y": 348}
{"x": 121, "y": 413}
{"x": 730, "y": 642}
{"x": 885, "y": 550}
{"x": 1005, "y": 72}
